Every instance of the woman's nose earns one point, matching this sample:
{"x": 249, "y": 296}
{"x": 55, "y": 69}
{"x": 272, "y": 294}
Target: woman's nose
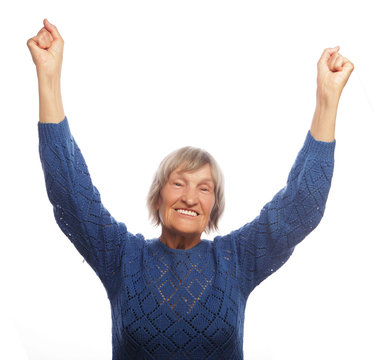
{"x": 190, "y": 196}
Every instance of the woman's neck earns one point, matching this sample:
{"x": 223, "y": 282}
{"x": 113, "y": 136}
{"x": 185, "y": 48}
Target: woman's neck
{"x": 179, "y": 241}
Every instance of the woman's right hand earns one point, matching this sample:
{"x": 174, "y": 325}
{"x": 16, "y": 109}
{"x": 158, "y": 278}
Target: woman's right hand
{"x": 46, "y": 49}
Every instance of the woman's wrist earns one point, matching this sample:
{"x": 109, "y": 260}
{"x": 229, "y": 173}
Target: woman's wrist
{"x": 47, "y": 80}
{"x": 330, "y": 100}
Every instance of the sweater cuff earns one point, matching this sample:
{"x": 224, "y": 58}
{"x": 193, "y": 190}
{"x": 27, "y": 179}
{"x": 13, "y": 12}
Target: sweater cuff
{"x": 318, "y": 149}
{"x": 55, "y": 132}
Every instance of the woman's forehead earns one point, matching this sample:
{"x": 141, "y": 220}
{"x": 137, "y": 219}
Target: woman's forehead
{"x": 203, "y": 171}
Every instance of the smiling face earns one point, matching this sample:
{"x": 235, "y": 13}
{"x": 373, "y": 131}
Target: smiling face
{"x": 186, "y": 201}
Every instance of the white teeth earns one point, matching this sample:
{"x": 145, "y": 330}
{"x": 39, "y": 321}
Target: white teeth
{"x": 187, "y": 212}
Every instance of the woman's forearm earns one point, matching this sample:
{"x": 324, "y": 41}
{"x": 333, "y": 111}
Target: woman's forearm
{"x": 324, "y": 118}
{"x": 50, "y": 99}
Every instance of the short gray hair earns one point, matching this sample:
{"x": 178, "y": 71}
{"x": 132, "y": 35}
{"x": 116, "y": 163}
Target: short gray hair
{"x": 190, "y": 158}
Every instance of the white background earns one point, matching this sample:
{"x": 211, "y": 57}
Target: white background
{"x": 238, "y": 78}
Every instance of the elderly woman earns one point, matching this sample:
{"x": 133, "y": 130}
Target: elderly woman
{"x": 180, "y": 296}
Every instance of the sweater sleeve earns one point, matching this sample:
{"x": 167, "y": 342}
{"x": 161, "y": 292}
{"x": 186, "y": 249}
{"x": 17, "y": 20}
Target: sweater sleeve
{"x": 262, "y": 246}
{"x": 77, "y": 205}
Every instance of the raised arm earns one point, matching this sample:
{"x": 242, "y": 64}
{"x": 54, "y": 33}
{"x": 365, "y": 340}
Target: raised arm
{"x": 262, "y": 246}
{"x": 77, "y": 205}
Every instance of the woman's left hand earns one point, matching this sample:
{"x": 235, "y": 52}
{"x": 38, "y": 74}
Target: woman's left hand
{"x": 333, "y": 73}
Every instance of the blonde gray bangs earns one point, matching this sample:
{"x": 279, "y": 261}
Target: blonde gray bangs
{"x": 190, "y": 158}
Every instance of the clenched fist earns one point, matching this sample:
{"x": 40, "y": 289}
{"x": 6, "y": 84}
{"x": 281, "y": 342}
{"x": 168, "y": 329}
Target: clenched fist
{"x": 334, "y": 71}
{"x": 46, "y": 49}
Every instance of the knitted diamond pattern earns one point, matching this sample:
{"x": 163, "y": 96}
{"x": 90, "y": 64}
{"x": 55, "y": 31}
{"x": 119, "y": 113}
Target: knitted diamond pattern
{"x": 172, "y": 303}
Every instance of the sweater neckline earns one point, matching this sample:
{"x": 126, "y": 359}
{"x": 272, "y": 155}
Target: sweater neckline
{"x": 196, "y": 248}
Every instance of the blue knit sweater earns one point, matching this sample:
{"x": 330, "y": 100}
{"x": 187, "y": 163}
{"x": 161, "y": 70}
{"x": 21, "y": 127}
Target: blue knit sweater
{"x": 181, "y": 304}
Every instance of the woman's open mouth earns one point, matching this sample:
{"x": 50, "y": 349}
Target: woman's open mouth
{"x": 187, "y": 212}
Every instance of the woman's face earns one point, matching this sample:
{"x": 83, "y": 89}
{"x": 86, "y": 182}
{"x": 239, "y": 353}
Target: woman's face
{"x": 186, "y": 201}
